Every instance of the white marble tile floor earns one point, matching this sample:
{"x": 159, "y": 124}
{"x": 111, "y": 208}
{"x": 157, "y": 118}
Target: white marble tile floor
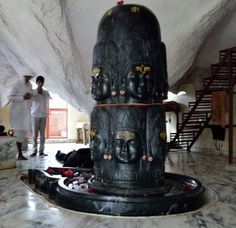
{"x": 22, "y": 208}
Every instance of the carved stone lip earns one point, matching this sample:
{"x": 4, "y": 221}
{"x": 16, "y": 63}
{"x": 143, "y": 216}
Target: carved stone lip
{"x": 187, "y": 196}
{"x": 128, "y": 104}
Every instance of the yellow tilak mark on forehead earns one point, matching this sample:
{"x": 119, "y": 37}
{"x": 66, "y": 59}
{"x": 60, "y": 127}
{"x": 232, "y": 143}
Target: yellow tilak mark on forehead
{"x": 125, "y": 135}
{"x": 96, "y": 72}
{"x": 143, "y": 69}
{"x": 135, "y": 9}
{"x": 109, "y": 13}
{"x": 163, "y": 135}
{"x": 92, "y": 133}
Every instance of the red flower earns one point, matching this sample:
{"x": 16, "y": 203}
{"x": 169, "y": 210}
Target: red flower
{"x": 120, "y": 2}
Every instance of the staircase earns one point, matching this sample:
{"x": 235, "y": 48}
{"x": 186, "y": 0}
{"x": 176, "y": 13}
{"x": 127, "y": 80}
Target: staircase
{"x": 199, "y": 115}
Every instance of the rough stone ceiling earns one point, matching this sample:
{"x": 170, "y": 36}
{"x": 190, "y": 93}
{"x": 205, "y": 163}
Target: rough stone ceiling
{"x": 55, "y": 38}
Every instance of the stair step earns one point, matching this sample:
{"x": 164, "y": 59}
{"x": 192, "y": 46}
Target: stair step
{"x": 189, "y": 130}
{"x": 204, "y": 98}
{"x": 189, "y": 134}
{"x": 194, "y": 114}
{"x": 196, "y": 120}
{"x": 188, "y": 137}
{"x": 222, "y": 70}
{"x": 207, "y": 93}
{"x": 215, "y": 83}
{"x": 184, "y": 141}
{"x": 195, "y": 117}
{"x": 208, "y": 110}
{"x": 217, "y": 89}
{"x": 185, "y": 132}
{"x": 200, "y": 104}
{"x": 222, "y": 66}
{"x": 216, "y": 80}
{"x": 232, "y": 51}
{"x": 196, "y": 124}
{"x": 201, "y": 108}
{"x": 218, "y": 85}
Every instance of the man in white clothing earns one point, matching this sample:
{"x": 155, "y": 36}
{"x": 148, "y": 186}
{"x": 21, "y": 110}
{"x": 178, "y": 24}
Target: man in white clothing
{"x": 39, "y": 112}
{"x": 20, "y": 119}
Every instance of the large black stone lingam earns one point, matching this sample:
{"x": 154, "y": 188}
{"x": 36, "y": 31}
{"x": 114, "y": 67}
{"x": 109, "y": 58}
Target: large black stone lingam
{"x": 128, "y": 132}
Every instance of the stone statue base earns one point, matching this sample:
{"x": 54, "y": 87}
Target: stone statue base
{"x": 185, "y": 195}
{"x": 74, "y": 192}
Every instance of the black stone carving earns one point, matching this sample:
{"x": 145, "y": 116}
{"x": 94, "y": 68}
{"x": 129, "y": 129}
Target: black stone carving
{"x": 128, "y": 141}
{"x": 128, "y": 133}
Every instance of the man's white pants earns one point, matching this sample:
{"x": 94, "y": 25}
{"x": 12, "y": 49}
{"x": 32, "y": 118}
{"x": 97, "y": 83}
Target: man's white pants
{"x": 38, "y": 126}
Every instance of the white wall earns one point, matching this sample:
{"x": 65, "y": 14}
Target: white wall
{"x": 183, "y": 100}
{"x": 4, "y": 117}
{"x": 75, "y": 116}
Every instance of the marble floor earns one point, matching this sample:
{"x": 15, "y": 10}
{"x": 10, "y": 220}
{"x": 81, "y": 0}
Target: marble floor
{"x": 20, "y": 207}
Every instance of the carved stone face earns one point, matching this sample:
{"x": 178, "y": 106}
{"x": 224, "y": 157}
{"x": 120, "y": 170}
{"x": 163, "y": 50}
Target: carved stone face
{"x": 100, "y": 85}
{"x": 97, "y": 146}
{"x": 140, "y": 82}
{"x": 128, "y": 146}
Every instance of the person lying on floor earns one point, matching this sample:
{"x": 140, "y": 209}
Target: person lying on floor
{"x": 76, "y": 158}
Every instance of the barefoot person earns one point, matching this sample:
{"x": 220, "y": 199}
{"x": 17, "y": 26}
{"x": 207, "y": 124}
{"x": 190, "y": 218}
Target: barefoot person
{"x": 39, "y": 112}
{"x": 20, "y": 117}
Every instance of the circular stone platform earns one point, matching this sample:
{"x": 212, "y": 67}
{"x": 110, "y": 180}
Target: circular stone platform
{"x": 186, "y": 194}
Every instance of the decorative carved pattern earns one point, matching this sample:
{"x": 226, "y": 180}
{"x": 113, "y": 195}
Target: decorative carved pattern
{"x": 135, "y": 9}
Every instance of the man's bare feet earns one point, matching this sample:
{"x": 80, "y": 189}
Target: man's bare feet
{"x": 22, "y": 158}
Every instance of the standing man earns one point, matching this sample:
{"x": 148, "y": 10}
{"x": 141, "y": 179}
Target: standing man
{"x": 20, "y": 118}
{"x": 39, "y": 111}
